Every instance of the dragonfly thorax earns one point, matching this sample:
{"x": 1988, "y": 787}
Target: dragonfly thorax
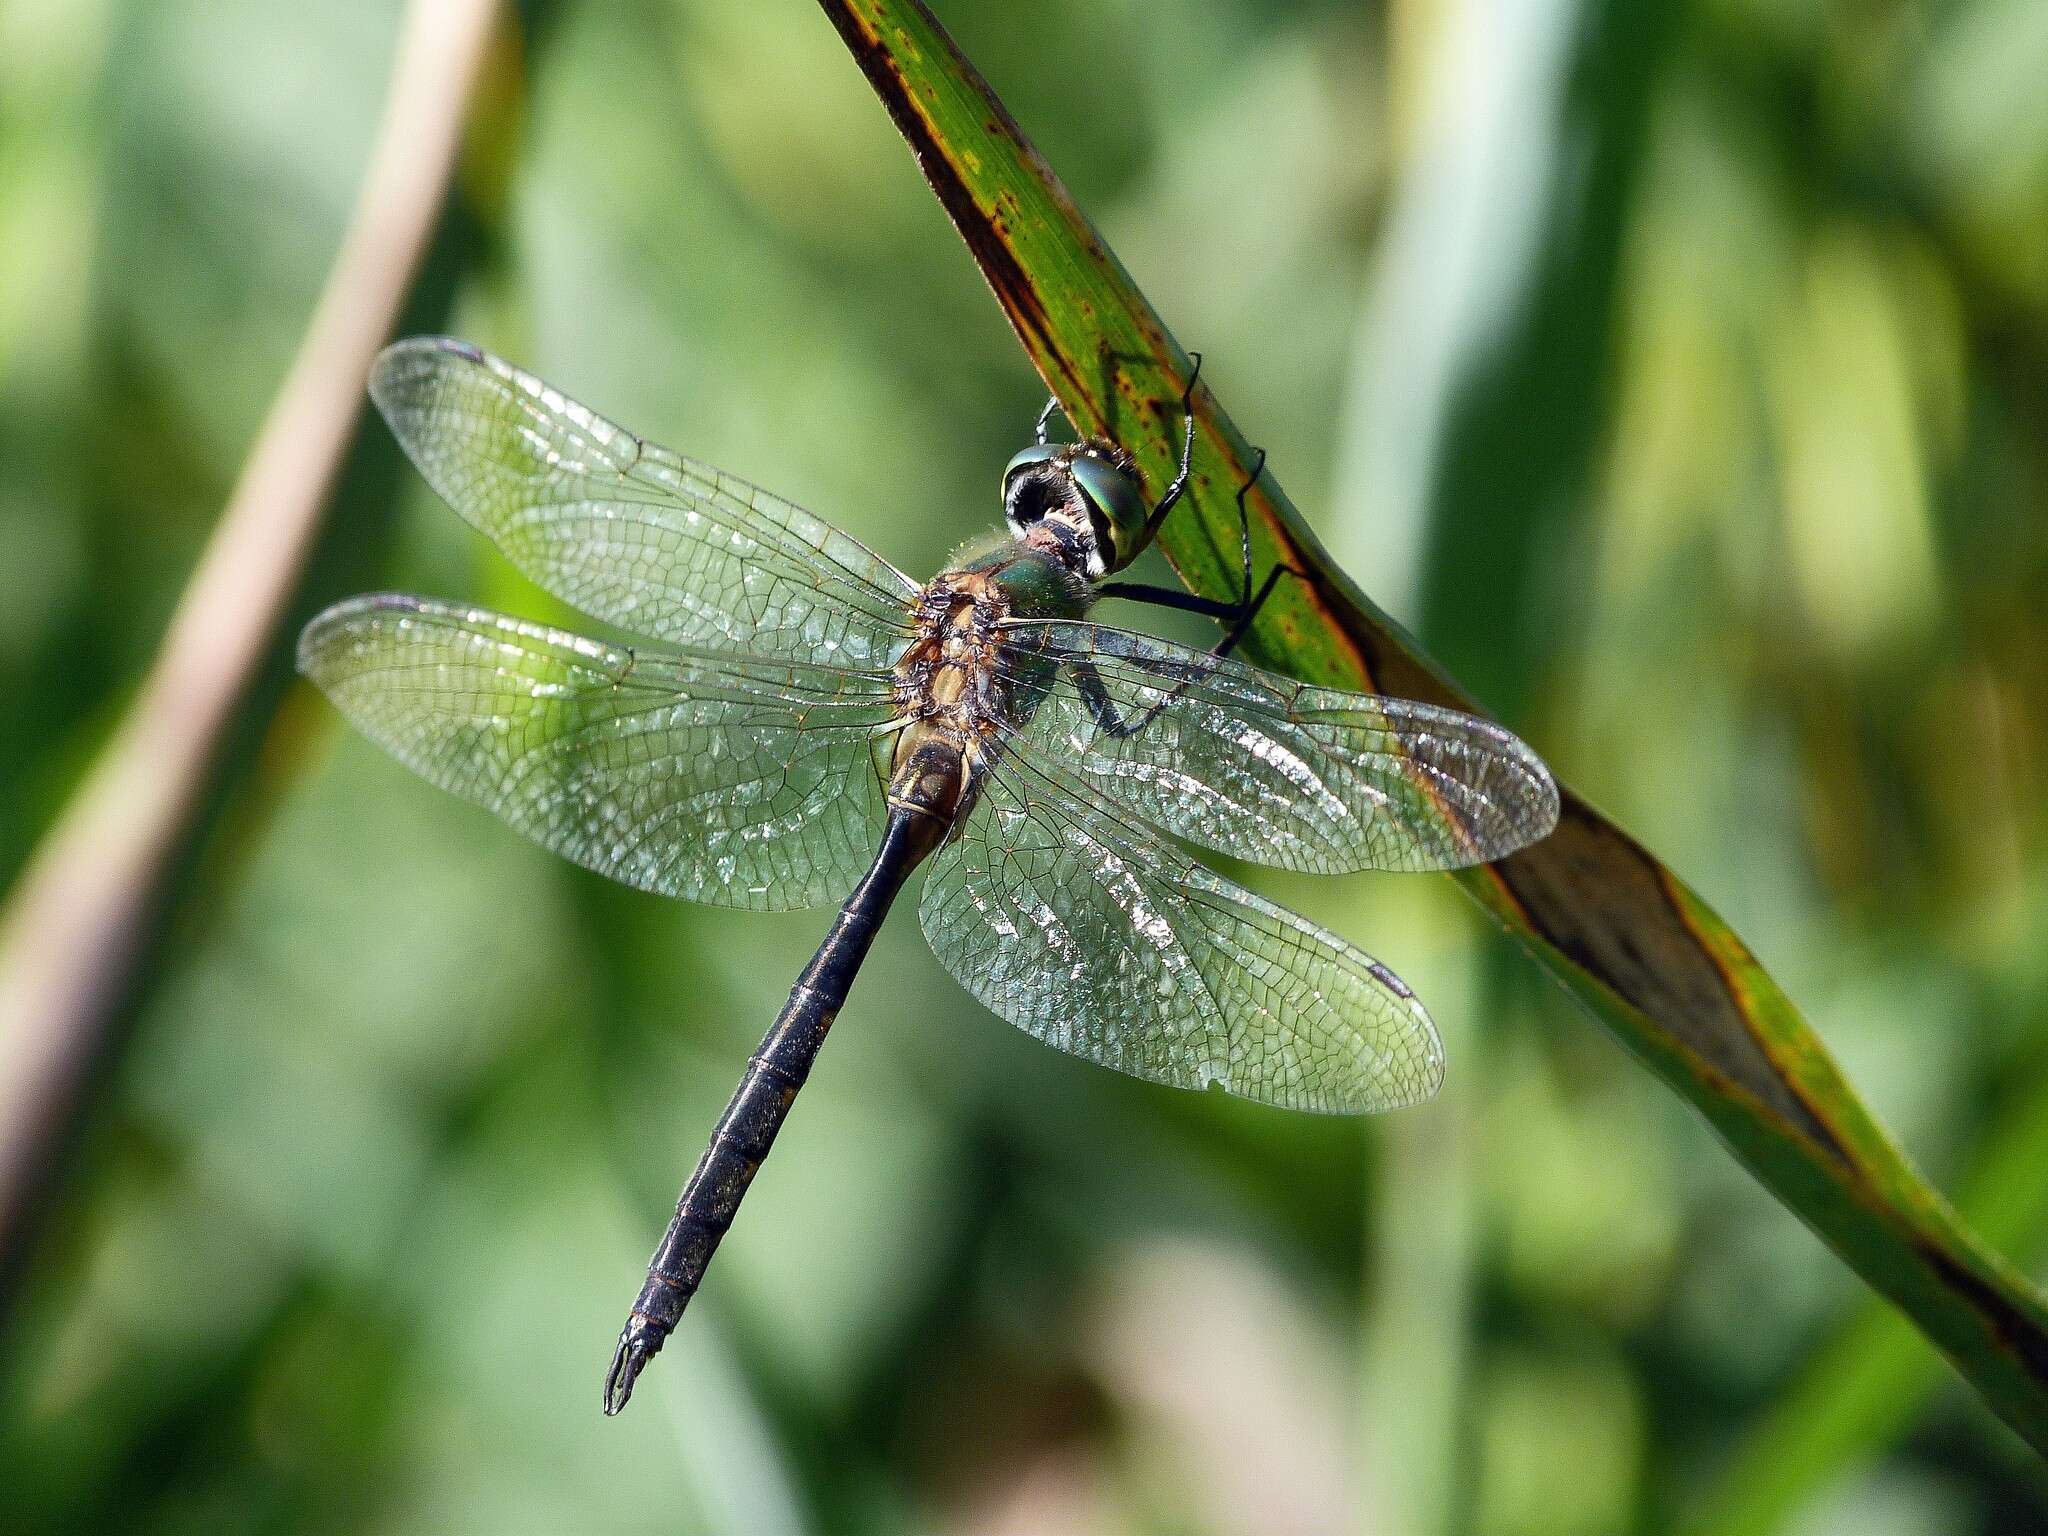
{"x": 948, "y": 684}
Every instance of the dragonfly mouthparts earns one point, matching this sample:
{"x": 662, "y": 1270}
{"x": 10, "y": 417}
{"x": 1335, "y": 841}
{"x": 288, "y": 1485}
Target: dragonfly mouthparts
{"x": 639, "y": 1340}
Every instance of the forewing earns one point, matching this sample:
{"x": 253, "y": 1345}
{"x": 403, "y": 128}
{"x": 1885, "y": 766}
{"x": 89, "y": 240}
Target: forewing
{"x": 738, "y": 781}
{"x": 1112, "y": 946}
{"x": 1265, "y": 768}
{"x": 627, "y": 530}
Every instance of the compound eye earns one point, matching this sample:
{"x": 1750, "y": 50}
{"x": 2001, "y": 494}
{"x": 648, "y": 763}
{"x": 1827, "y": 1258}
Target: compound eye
{"x": 1117, "y": 502}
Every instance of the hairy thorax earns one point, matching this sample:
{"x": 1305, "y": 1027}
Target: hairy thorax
{"x": 947, "y": 680}
{"x": 958, "y": 683}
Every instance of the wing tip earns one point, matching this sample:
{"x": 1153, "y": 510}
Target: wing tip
{"x": 316, "y": 641}
{"x": 1425, "y": 1052}
{"x": 407, "y": 361}
{"x": 1546, "y": 799}
{"x": 1501, "y": 824}
{"x": 1433, "y": 1067}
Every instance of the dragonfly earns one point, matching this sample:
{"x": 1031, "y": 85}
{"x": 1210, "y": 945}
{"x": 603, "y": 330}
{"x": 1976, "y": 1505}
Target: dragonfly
{"x": 812, "y": 725}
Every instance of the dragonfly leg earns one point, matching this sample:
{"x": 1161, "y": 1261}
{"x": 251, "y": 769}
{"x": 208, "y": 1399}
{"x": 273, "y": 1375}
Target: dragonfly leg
{"x": 1251, "y": 602}
{"x": 1108, "y": 718}
{"x": 1038, "y": 431}
{"x": 1179, "y": 482}
{"x": 1224, "y": 610}
{"x": 1112, "y": 720}
{"x": 1251, "y": 609}
{"x": 1236, "y": 615}
{"x": 1244, "y": 534}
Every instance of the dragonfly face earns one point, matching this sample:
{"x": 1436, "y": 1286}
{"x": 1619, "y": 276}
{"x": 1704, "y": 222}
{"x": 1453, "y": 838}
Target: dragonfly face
{"x": 1082, "y": 500}
{"x": 811, "y": 725}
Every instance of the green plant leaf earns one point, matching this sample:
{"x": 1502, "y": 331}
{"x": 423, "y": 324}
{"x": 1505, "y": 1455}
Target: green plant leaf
{"x": 1623, "y": 934}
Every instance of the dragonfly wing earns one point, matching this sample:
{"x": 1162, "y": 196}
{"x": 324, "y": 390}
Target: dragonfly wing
{"x": 734, "y": 780}
{"x": 1276, "y": 771}
{"x": 1112, "y": 946}
{"x": 625, "y": 529}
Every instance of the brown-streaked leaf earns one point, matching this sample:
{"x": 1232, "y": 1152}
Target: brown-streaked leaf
{"x": 1602, "y": 914}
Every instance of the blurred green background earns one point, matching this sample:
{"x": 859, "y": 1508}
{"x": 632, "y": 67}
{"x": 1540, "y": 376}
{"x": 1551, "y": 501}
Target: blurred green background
{"x": 1679, "y": 373}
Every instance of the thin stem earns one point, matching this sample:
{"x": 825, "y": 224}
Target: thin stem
{"x": 80, "y": 918}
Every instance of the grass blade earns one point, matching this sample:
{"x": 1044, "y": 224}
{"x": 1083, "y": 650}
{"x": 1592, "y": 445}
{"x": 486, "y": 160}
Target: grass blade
{"x": 1622, "y": 933}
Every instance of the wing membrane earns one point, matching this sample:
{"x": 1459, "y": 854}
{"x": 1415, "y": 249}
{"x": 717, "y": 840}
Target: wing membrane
{"x": 737, "y": 781}
{"x": 1114, "y": 947}
{"x": 1276, "y": 771}
{"x": 627, "y": 530}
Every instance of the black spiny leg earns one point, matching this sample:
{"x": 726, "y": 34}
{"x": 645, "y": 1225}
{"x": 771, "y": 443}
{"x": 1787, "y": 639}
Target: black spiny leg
{"x": 1236, "y": 615}
{"x": 1095, "y": 694}
{"x": 1045, "y": 419}
{"x": 1187, "y": 452}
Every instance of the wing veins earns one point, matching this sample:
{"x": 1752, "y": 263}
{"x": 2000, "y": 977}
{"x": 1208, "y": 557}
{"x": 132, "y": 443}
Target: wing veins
{"x": 1481, "y": 792}
{"x": 1093, "y": 821}
{"x": 536, "y": 515}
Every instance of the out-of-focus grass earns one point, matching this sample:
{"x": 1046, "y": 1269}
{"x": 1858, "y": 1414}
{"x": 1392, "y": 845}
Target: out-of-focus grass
{"x": 347, "y": 1245}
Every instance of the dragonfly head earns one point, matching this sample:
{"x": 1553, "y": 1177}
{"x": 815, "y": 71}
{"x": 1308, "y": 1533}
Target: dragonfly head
{"x": 1085, "y": 495}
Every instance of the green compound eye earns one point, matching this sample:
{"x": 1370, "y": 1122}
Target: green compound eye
{"x": 1118, "y": 500}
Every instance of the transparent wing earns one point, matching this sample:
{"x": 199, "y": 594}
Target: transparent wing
{"x": 1265, "y": 768}
{"x": 738, "y": 781}
{"x": 627, "y": 530}
{"x": 1112, "y": 946}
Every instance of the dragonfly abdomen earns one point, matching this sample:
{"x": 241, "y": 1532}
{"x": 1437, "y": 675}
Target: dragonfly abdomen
{"x": 778, "y": 1070}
